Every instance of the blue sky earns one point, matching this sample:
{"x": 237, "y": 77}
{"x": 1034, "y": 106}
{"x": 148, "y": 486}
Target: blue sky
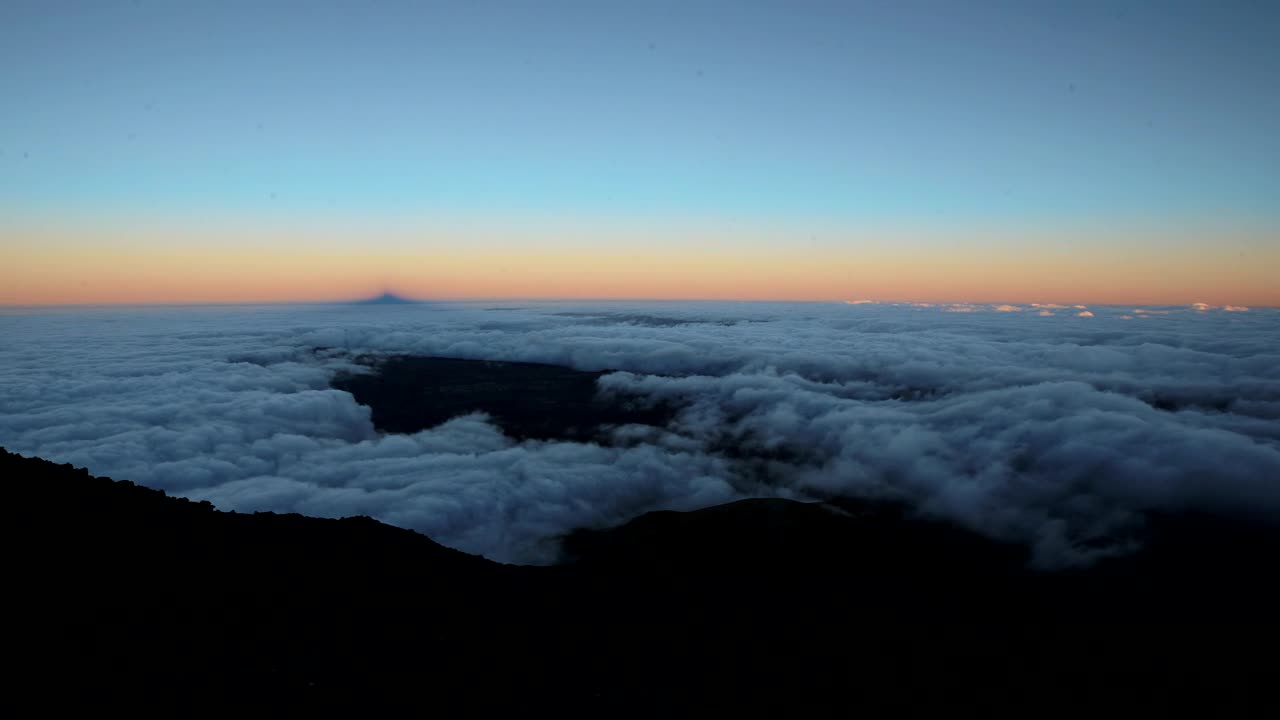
{"x": 961, "y": 110}
{"x": 1039, "y": 117}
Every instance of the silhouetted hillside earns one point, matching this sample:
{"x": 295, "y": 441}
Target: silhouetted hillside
{"x": 120, "y": 589}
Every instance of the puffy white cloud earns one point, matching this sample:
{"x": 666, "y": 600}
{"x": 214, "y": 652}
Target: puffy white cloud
{"x": 1061, "y": 435}
{"x": 1084, "y": 313}
{"x": 1065, "y": 466}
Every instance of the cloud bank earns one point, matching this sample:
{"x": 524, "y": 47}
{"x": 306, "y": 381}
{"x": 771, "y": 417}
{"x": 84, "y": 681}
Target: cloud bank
{"x": 1052, "y": 430}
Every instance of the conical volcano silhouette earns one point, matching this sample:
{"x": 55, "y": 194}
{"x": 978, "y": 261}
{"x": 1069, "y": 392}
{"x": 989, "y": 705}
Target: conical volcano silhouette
{"x": 388, "y": 298}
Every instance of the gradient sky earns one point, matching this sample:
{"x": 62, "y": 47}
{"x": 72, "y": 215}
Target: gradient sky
{"x": 1124, "y": 152}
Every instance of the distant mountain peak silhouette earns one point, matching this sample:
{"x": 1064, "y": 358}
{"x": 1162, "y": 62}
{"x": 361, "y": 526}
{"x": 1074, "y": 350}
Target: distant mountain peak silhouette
{"x": 387, "y": 298}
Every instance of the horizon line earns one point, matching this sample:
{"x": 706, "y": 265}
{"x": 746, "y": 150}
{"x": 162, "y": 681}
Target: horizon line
{"x": 411, "y": 300}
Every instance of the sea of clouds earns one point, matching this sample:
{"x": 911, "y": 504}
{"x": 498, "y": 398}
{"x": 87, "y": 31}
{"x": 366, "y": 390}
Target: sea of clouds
{"x": 1058, "y": 426}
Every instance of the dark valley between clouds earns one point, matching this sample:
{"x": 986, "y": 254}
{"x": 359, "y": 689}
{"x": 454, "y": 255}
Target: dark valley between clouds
{"x": 528, "y": 401}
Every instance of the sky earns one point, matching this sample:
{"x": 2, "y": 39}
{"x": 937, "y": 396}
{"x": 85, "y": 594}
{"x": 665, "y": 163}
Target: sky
{"x": 1076, "y": 152}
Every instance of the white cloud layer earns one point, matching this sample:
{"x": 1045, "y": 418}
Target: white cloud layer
{"x": 1041, "y": 429}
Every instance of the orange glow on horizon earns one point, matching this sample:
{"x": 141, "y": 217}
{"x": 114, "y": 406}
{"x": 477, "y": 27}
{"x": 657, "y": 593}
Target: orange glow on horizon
{"x": 66, "y": 268}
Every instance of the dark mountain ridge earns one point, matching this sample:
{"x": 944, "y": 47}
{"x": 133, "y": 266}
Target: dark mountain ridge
{"x": 121, "y": 591}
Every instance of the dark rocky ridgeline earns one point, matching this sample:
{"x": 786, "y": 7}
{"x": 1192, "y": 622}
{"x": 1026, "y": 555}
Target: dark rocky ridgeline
{"x": 120, "y": 588}
{"x": 408, "y": 393}
{"x": 118, "y": 592}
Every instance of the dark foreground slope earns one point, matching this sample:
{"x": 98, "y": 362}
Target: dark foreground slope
{"x": 117, "y": 592}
